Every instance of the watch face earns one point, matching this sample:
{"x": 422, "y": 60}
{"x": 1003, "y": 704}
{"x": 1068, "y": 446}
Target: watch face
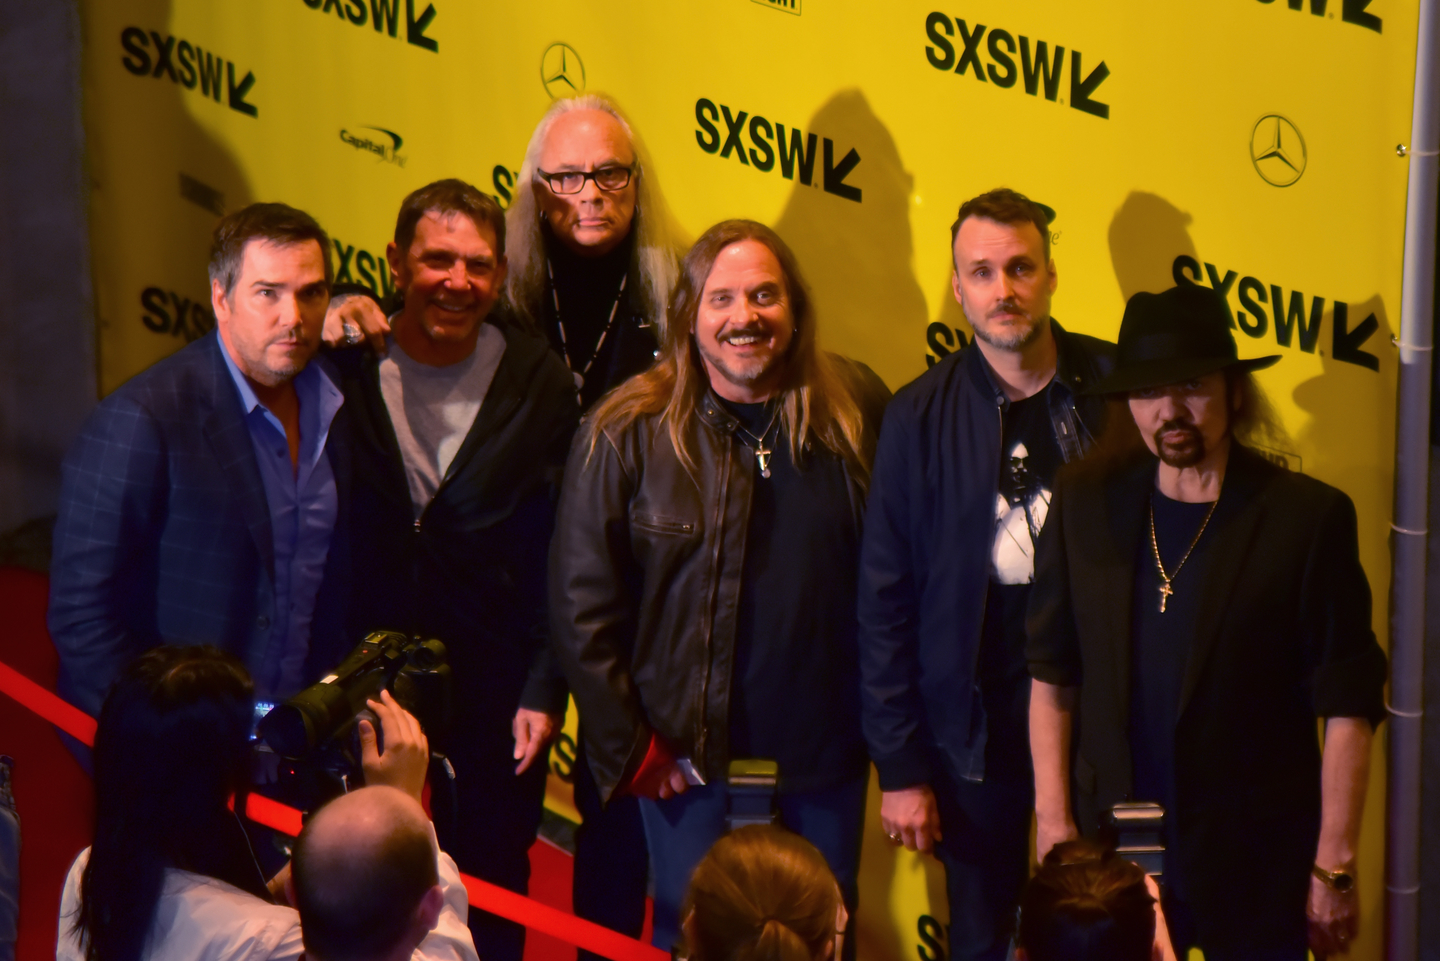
{"x": 1342, "y": 881}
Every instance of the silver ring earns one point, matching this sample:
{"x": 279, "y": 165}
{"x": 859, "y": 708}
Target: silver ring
{"x": 894, "y": 837}
{"x": 353, "y": 334}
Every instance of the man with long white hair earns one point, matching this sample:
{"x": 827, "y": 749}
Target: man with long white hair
{"x": 593, "y": 257}
{"x": 592, "y": 250}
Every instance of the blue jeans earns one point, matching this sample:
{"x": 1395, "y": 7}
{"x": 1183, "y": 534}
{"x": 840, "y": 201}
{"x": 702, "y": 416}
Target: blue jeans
{"x": 681, "y": 830}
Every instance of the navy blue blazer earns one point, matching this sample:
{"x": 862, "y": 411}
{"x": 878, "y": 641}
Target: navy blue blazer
{"x": 163, "y": 534}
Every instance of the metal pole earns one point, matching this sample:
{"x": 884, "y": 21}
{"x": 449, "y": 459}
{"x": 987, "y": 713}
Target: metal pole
{"x": 1412, "y": 478}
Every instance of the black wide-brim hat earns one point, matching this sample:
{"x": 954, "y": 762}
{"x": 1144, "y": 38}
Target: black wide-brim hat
{"x": 1172, "y": 337}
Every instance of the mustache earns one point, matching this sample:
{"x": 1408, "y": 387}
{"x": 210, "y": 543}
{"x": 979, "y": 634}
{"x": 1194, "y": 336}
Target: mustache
{"x": 1007, "y": 307}
{"x": 1182, "y": 424}
{"x": 749, "y": 330}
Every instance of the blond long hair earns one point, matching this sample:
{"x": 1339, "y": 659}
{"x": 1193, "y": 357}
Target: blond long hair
{"x": 820, "y": 393}
{"x": 761, "y": 894}
{"x": 657, "y": 238}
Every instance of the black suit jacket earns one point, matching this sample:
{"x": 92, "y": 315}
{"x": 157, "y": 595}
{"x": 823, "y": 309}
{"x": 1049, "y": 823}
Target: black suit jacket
{"x": 471, "y": 570}
{"x": 163, "y": 534}
{"x": 1284, "y": 637}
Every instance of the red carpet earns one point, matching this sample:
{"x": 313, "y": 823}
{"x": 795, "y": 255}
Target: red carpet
{"x": 53, "y": 794}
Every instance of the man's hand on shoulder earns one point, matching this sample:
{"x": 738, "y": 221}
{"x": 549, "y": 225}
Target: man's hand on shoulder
{"x": 911, "y": 817}
{"x": 351, "y": 318}
{"x": 405, "y": 760}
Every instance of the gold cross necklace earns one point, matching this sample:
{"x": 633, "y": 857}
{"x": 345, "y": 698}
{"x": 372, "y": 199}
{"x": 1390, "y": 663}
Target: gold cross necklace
{"x": 762, "y": 453}
{"x": 1165, "y": 589}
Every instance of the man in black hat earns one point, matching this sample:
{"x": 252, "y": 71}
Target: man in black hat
{"x": 1196, "y": 607}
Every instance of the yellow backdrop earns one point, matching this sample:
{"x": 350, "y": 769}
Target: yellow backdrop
{"x": 1244, "y": 144}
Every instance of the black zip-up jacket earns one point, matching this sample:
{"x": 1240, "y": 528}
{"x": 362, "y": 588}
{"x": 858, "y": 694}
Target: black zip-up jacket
{"x": 645, "y": 575}
{"x": 471, "y": 569}
{"x": 925, "y": 560}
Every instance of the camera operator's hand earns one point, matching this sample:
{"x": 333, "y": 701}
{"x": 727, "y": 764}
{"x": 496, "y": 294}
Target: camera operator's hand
{"x": 406, "y": 758}
{"x": 534, "y": 731}
{"x": 911, "y": 817}
{"x": 352, "y": 318}
{"x": 1334, "y": 919}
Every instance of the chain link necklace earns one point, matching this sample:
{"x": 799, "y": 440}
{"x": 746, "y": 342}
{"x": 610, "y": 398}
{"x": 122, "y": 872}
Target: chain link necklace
{"x": 1165, "y": 589}
{"x": 580, "y": 374}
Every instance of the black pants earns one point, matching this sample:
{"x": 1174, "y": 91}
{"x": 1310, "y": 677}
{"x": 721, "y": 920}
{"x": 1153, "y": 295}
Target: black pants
{"x": 986, "y": 824}
{"x": 611, "y": 859}
{"x": 986, "y": 853}
{"x": 498, "y": 816}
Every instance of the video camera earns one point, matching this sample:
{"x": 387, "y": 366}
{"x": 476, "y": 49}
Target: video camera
{"x": 315, "y": 734}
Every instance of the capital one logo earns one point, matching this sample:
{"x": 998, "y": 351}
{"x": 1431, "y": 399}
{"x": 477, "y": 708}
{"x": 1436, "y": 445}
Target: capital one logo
{"x": 1277, "y": 150}
{"x": 561, "y": 71}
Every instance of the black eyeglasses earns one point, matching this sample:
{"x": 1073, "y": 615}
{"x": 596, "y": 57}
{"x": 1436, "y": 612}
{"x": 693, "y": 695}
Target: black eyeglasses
{"x": 573, "y": 181}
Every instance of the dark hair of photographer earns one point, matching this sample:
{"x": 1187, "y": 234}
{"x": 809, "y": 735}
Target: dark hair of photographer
{"x": 364, "y": 877}
{"x": 1086, "y": 903}
{"x": 763, "y": 894}
{"x": 170, "y": 749}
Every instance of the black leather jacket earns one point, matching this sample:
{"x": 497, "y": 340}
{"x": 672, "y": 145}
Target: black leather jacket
{"x": 645, "y": 574}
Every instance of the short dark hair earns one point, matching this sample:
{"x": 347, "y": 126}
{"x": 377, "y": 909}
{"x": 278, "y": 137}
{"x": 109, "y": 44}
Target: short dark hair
{"x": 367, "y": 912}
{"x": 1086, "y": 903}
{"x": 444, "y": 197}
{"x": 1004, "y": 206}
{"x": 278, "y": 223}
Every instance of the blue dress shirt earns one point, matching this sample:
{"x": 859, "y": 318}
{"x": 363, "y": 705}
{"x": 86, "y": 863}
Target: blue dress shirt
{"x": 303, "y": 507}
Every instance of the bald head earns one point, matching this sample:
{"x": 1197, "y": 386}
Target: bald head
{"x": 363, "y": 872}
{"x": 594, "y": 221}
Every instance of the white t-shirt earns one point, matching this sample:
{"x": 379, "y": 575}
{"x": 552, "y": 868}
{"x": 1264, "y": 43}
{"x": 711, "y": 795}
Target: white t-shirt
{"x": 199, "y": 918}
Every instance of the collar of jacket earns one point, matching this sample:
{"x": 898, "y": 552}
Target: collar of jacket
{"x": 713, "y": 413}
{"x": 1071, "y": 369}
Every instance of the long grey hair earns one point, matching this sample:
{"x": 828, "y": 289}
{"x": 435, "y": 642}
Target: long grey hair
{"x": 658, "y": 243}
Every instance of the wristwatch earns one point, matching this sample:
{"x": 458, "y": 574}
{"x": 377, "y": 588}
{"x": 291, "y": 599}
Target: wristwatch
{"x": 1338, "y": 880}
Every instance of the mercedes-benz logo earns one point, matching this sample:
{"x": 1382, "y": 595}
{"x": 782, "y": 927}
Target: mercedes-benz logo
{"x": 1277, "y": 150}
{"x": 561, "y": 71}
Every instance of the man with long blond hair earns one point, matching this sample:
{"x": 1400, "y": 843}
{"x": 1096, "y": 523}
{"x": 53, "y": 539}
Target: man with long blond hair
{"x": 702, "y": 577}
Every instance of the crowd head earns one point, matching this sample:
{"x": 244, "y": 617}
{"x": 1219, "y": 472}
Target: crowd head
{"x": 364, "y": 877}
{"x": 1086, "y": 903}
{"x": 171, "y": 747}
{"x": 763, "y": 894}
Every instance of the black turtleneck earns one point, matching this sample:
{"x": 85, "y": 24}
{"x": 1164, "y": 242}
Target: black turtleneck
{"x": 587, "y": 288}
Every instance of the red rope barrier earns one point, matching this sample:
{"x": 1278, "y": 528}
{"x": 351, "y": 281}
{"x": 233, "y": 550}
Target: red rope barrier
{"x": 272, "y": 814}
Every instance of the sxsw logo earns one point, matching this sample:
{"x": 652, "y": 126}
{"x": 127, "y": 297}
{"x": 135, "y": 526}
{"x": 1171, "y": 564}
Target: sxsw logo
{"x": 150, "y": 54}
{"x": 166, "y": 312}
{"x": 384, "y": 16}
{"x": 788, "y": 6}
{"x": 385, "y": 147}
{"x": 1351, "y": 11}
{"x": 1266, "y": 312}
{"x": 768, "y": 143}
{"x": 1042, "y": 64}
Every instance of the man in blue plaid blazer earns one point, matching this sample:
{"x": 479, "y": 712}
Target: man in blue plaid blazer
{"x": 182, "y": 520}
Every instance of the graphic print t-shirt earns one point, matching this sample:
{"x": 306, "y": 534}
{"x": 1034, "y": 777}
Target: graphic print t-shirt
{"x": 1029, "y": 458}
